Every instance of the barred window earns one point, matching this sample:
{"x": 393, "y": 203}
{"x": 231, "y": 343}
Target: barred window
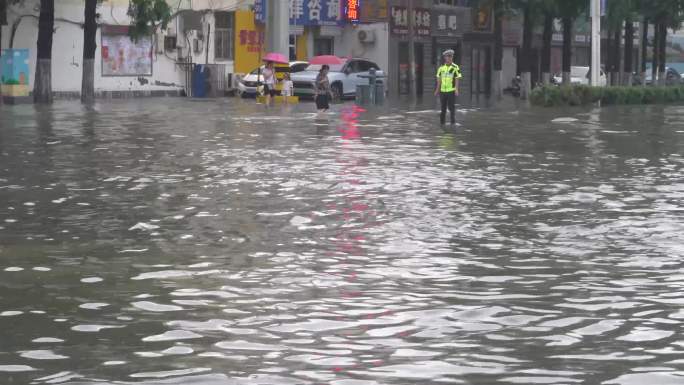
{"x": 224, "y": 36}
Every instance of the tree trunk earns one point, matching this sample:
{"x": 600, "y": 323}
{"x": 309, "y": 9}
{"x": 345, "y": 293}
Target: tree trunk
{"x": 42, "y": 90}
{"x": 617, "y": 43}
{"x": 609, "y": 56}
{"x": 411, "y": 51}
{"x": 497, "y": 76}
{"x": 662, "y": 56}
{"x": 644, "y": 49}
{"x": 656, "y": 50}
{"x": 629, "y": 52}
{"x": 525, "y": 65}
{"x": 546, "y": 50}
{"x": 567, "y": 49}
{"x": 89, "y": 47}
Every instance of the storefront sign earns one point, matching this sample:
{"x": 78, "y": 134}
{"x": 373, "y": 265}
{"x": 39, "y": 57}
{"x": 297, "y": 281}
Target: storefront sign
{"x": 483, "y": 19}
{"x": 249, "y": 42}
{"x": 399, "y": 23}
{"x": 307, "y": 12}
{"x": 252, "y": 40}
{"x": 373, "y": 11}
{"x": 512, "y": 27}
{"x": 351, "y": 11}
{"x": 450, "y": 22}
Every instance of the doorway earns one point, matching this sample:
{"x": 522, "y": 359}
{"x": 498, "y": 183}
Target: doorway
{"x": 480, "y": 71}
{"x": 403, "y": 62}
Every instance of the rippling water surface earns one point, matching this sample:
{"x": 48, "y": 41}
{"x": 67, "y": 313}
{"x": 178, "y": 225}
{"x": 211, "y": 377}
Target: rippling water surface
{"x": 167, "y": 241}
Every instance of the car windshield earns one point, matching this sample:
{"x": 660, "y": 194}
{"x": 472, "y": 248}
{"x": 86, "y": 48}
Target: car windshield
{"x": 579, "y": 72}
{"x": 256, "y": 70}
{"x": 333, "y": 67}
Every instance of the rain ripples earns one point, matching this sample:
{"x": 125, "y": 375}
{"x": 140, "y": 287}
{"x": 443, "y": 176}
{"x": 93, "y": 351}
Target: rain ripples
{"x": 354, "y": 248}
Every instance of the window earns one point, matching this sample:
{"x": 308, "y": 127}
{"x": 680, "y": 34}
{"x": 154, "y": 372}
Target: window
{"x": 224, "y": 36}
{"x": 365, "y": 66}
{"x": 354, "y": 67}
{"x": 293, "y": 47}
{"x": 323, "y": 46}
{"x": 298, "y": 67}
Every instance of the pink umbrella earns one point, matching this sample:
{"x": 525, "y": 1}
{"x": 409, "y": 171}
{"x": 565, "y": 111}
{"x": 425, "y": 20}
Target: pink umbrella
{"x": 276, "y": 58}
{"x": 326, "y": 59}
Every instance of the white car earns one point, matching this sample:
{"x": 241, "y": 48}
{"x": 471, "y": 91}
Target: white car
{"x": 247, "y": 86}
{"x": 581, "y": 75}
{"x": 343, "y": 77}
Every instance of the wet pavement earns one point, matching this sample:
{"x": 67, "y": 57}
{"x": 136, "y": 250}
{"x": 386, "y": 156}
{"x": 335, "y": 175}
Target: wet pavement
{"x": 169, "y": 241}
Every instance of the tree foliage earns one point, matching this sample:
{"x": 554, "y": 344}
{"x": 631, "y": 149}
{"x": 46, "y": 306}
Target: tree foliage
{"x": 146, "y": 16}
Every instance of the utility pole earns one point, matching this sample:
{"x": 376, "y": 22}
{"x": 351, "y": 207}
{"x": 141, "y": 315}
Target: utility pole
{"x": 595, "y": 41}
{"x": 412, "y": 50}
{"x": 278, "y": 26}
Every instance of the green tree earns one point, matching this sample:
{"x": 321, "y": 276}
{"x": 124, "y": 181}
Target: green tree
{"x": 569, "y": 11}
{"x": 147, "y": 15}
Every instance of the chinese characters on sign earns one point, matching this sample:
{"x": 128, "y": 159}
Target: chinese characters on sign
{"x": 252, "y": 39}
{"x": 450, "y": 22}
{"x": 399, "y": 21}
{"x": 260, "y": 11}
{"x": 352, "y": 11}
{"x": 306, "y": 12}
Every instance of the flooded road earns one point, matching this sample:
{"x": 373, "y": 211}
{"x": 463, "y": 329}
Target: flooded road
{"x": 168, "y": 241}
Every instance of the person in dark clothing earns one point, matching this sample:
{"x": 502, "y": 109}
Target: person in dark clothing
{"x": 323, "y": 89}
{"x": 448, "y": 77}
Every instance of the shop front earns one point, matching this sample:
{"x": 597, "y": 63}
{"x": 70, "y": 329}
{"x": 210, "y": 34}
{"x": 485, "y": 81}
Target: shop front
{"x": 449, "y": 24}
{"x": 477, "y": 54}
{"x": 399, "y": 79}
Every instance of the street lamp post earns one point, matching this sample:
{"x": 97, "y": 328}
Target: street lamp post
{"x": 595, "y": 42}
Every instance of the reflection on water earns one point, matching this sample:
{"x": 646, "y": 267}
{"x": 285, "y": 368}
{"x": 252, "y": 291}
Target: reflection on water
{"x": 176, "y": 242}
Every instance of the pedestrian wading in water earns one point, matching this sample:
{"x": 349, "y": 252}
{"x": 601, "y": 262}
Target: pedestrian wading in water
{"x": 269, "y": 82}
{"x": 447, "y": 86}
{"x": 323, "y": 92}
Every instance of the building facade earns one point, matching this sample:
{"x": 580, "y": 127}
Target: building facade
{"x": 221, "y": 33}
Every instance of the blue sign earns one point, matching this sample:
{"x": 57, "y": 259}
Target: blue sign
{"x": 260, "y": 11}
{"x": 306, "y": 12}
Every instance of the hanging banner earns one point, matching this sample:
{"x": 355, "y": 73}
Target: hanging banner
{"x": 351, "y": 11}
{"x": 399, "y": 21}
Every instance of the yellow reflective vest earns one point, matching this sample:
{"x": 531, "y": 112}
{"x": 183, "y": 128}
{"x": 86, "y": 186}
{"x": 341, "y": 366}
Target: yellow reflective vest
{"x": 447, "y": 74}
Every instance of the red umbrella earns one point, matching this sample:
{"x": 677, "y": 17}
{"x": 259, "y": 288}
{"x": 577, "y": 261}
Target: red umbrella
{"x": 326, "y": 59}
{"x": 276, "y": 58}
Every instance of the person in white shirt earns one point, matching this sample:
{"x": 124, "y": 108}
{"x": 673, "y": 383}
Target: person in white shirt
{"x": 269, "y": 82}
{"x": 287, "y": 85}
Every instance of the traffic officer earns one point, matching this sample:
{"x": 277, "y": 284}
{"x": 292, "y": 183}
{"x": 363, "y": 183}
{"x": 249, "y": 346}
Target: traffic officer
{"x": 447, "y": 86}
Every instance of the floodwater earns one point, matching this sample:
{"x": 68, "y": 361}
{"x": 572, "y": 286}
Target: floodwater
{"x": 169, "y": 241}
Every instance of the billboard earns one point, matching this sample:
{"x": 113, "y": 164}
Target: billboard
{"x": 121, "y": 56}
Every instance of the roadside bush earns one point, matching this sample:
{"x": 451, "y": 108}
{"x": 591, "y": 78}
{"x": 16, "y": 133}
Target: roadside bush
{"x": 577, "y": 95}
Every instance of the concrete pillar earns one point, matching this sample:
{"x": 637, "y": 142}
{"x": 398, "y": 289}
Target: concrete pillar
{"x": 278, "y": 26}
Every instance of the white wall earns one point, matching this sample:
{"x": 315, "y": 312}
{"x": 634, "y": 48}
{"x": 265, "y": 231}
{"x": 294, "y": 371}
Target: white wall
{"x": 67, "y": 49}
{"x": 348, "y": 44}
{"x": 509, "y": 66}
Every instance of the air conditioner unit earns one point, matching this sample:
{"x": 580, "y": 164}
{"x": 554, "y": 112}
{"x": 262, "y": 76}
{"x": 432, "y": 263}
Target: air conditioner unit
{"x": 366, "y": 36}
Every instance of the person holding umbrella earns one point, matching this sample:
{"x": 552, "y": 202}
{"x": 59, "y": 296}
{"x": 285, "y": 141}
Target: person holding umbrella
{"x": 269, "y": 82}
{"x": 448, "y": 76}
{"x": 322, "y": 89}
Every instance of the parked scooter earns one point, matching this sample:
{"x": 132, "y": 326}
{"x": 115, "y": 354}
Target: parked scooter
{"x": 515, "y": 87}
